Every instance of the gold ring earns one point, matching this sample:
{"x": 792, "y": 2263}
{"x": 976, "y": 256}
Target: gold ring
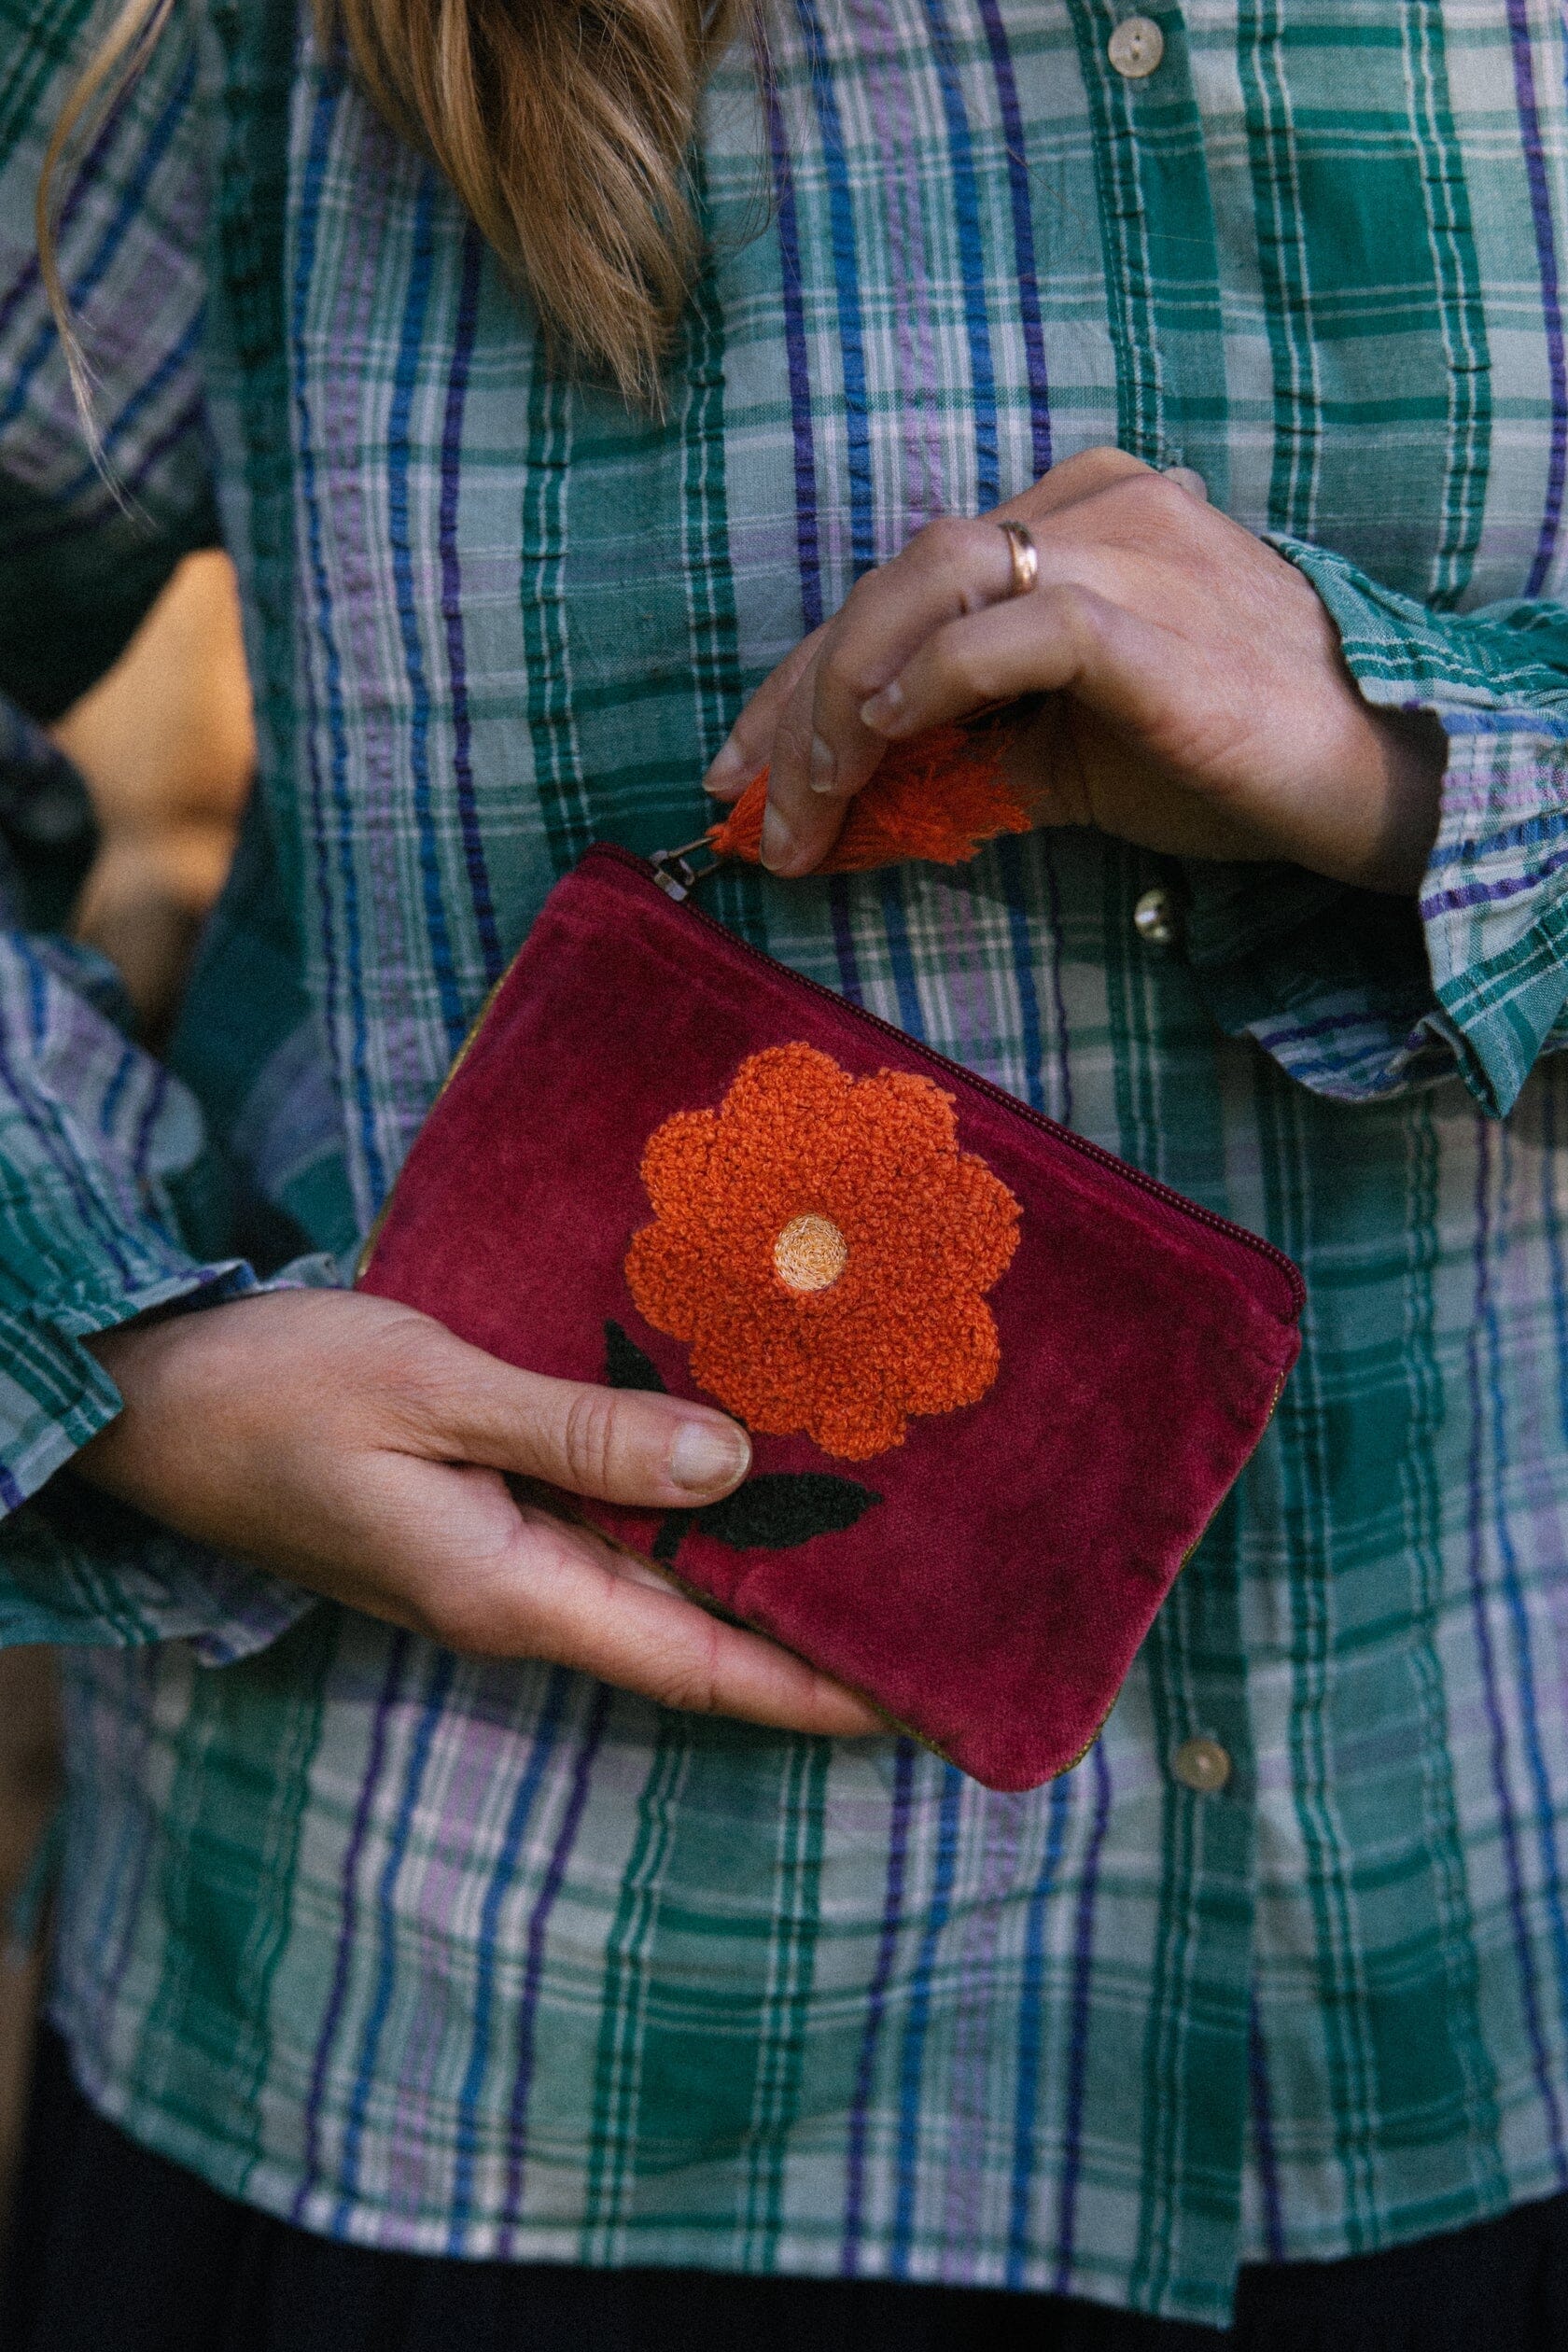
{"x": 1025, "y": 555}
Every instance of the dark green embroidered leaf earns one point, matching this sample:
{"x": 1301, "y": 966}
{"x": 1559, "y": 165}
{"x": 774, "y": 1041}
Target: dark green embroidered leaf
{"x": 625, "y": 1366}
{"x": 780, "y": 1508}
{"x": 672, "y": 1527}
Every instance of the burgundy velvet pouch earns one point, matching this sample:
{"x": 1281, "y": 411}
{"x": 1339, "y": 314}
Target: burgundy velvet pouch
{"x": 998, "y": 1382}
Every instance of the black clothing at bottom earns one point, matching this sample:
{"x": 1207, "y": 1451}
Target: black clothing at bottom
{"x": 114, "y": 2249}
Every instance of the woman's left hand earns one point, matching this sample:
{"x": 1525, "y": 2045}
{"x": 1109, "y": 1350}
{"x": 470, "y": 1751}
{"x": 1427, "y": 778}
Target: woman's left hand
{"x": 1195, "y": 699}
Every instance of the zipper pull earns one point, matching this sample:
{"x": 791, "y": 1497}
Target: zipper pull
{"x": 674, "y": 872}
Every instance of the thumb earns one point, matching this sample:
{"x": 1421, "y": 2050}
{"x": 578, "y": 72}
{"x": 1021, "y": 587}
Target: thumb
{"x": 616, "y": 1445}
{"x": 1188, "y": 478}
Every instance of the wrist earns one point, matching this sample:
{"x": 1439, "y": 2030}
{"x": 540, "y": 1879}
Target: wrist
{"x": 1414, "y": 760}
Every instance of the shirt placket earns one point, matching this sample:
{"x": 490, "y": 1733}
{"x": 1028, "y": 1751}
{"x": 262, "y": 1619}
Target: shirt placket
{"x": 1161, "y": 265}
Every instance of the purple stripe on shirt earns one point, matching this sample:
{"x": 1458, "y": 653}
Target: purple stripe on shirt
{"x": 127, "y": 212}
{"x": 908, "y": 263}
{"x": 1507, "y": 1821}
{"x": 86, "y": 498}
{"x": 1026, "y": 275}
{"x": 1529, "y": 832}
{"x": 533, "y": 1967}
{"x": 1062, "y": 1108}
{"x": 1507, "y": 886}
{"x": 970, "y": 2089}
{"x": 82, "y": 183}
{"x": 333, "y": 788}
{"x": 452, "y": 604}
{"x": 1078, "y": 2046}
{"x": 348, "y": 1926}
{"x": 947, "y": 901}
{"x": 876, "y": 2007}
{"x": 808, "y": 537}
{"x": 1551, "y": 310}
{"x": 377, "y": 820}
{"x": 1031, "y": 2002}
{"x": 157, "y": 1096}
{"x": 48, "y": 1123}
{"x": 503, "y": 1874}
{"x": 399, "y": 1838}
{"x": 1526, "y": 1679}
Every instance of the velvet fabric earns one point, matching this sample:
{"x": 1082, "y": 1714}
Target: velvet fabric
{"x": 990, "y": 1585}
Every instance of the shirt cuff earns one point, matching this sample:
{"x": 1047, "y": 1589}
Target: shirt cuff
{"x": 76, "y": 1567}
{"x": 1359, "y": 995}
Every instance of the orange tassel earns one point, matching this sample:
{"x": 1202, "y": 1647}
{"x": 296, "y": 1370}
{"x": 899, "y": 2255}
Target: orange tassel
{"x": 938, "y": 797}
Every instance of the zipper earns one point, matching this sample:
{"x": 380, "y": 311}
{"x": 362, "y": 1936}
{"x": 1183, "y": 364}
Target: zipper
{"x": 673, "y": 875}
{"x": 677, "y": 889}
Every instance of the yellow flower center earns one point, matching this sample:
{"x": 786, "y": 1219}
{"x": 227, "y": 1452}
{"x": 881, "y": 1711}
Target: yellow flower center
{"x": 811, "y": 1254}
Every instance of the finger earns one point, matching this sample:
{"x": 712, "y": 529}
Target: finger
{"x": 1188, "y": 478}
{"x": 1076, "y": 478}
{"x": 619, "y": 1445}
{"x": 1108, "y": 478}
{"x": 956, "y": 566}
{"x": 823, "y": 753}
{"x": 571, "y": 1603}
{"x": 747, "y": 747}
{"x": 799, "y": 826}
{"x": 1063, "y": 638}
{"x": 447, "y": 1553}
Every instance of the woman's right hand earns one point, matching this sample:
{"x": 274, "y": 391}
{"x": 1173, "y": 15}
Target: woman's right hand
{"x": 360, "y": 1450}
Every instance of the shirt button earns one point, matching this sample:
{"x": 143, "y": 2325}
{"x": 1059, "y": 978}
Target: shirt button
{"x": 1136, "y": 47}
{"x": 1156, "y": 918}
{"x": 1202, "y": 1765}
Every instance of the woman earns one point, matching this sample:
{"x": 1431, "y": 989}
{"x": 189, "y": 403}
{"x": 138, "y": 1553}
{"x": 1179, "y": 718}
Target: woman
{"x": 427, "y": 1917}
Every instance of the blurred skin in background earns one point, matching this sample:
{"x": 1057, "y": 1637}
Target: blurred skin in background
{"x": 165, "y": 744}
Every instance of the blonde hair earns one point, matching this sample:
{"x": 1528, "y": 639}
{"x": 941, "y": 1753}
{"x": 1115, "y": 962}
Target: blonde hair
{"x": 106, "y": 74}
{"x": 564, "y": 126}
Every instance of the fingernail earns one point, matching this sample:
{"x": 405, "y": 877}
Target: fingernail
{"x": 1188, "y": 478}
{"x": 824, "y": 764}
{"x": 779, "y": 842}
{"x": 709, "y": 1457}
{"x": 883, "y": 710}
{"x": 727, "y": 769}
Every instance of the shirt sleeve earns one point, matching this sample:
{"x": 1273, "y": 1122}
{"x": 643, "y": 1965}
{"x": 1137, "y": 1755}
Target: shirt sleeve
{"x": 107, "y": 1190}
{"x": 110, "y": 1197}
{"x": 82, "y": 558}
{"x": 1359, "y": 995}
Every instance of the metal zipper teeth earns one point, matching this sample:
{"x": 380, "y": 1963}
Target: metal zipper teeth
{"x": 1080, "y": 1143}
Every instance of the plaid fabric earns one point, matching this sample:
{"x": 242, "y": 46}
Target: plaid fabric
{"x": 437, "y": 1954}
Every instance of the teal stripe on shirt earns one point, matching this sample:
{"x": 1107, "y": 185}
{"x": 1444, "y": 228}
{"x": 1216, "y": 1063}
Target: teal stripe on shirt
{"x": 479, "y": 1959}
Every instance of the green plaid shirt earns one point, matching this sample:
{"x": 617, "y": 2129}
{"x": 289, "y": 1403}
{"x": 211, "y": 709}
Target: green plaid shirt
{"x": 439, "y": 1954}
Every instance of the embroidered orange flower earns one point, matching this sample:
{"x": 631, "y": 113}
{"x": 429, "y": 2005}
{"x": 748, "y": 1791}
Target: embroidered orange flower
{"x": 824, "y": 1247}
